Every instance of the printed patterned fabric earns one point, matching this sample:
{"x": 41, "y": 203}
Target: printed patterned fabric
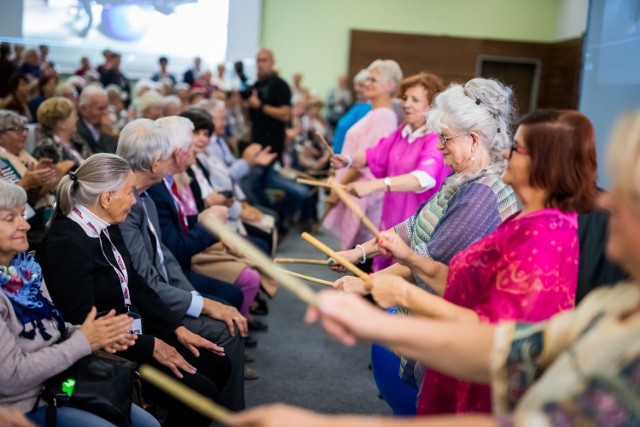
{"x": 580, "y": 368}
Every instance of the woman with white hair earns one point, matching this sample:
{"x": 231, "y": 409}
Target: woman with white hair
{"x": 472, "y": 123}
{"x": 87, "y": 264}
{"x": 383, "y": 78}
{"x": 35, "y": 341}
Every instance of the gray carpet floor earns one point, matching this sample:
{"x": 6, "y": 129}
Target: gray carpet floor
{"x": 300, "y": 364}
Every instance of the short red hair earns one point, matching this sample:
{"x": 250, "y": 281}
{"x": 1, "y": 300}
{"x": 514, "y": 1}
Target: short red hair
{"x": 562, "y": 148}
{"x": 430, "y": 82}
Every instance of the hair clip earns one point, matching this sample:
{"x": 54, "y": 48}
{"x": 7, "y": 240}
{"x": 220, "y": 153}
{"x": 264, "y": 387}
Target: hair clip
{"x": 478, "y": 101}
{"x": 498, "y": 131}
{"x": 73, "y": 176}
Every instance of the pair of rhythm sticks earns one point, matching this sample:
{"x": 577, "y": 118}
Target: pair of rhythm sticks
{"x": 288, "y": 279}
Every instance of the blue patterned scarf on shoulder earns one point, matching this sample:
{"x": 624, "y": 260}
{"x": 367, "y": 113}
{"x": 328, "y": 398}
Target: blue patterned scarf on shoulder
{"x": 21, "y": 282}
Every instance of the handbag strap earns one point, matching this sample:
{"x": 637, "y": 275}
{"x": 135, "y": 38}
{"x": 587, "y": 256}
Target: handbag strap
{"x": 51, "y": 419}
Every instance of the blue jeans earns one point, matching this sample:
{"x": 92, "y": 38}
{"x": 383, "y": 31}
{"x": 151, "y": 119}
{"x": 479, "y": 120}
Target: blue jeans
{"x": 73, "y": 417}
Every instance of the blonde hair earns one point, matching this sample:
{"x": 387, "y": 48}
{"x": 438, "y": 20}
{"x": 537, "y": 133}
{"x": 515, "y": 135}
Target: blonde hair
{"x": 53, "y": 111}
{"x": 623, "y": 155}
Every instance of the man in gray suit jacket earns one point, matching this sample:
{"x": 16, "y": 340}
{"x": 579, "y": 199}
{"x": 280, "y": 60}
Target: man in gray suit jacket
{"x": 144, "y": 145}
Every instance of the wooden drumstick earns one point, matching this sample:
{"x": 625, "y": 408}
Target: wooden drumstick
{"x": 339, "y": 258}
{"x": 317, "y": 183}
{"x": 325, "y": 143}
{"x": 309, "y": 278}
{"x": 184, "y": 394}
{"x": 342, "y": 194}
{"x": 301, "y": 261}
{"x": 301, "y": 290}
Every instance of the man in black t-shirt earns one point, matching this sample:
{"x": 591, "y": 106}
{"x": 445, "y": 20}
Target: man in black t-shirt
{"x": 270, "y": 110}
{"x": 269, "y": 105}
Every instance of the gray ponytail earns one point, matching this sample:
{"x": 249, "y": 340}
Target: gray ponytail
{"x": 99, "y": 173}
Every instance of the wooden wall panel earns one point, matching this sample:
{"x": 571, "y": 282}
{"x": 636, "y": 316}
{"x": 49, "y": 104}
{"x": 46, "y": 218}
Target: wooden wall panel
{"x": 455, "y": 59}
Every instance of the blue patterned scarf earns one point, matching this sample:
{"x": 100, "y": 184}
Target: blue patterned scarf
{"x": 21, "y": 283}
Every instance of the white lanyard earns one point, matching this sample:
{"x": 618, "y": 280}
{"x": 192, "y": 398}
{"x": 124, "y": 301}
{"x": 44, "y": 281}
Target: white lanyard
{"x": 120, "y": 268}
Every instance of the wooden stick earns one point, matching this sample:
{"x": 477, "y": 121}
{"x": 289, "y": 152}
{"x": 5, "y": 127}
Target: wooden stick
{"x": 309, "y": 278}
{"x": 301, "y": 261}
{"x": 301, "y": 290}
{"x": 317, "y": 183}
{"x": 184, "y": 394}
{"x": 355, "y": 209}
{"x": 305, "y": 175}
{"x": 339, "y": 258}
{"x": 325, "y": 143}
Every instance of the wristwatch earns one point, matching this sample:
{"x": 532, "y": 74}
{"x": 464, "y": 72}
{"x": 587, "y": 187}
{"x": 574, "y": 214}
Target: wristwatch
{"x": 387, "y": 183}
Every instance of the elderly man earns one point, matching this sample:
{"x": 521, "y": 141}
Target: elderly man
{"x": 93, "y": 109}
{"x": 147, "y": 149}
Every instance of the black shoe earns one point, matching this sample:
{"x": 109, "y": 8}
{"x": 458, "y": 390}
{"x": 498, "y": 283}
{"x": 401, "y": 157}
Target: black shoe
{"x": 257, "y": 326}
{"x": 261, "y": 308}
{"x": 248, "y": 358}
{"x": 250, "y": 342}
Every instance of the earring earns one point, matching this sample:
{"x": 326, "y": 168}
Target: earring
{"x": 473, "y": 159}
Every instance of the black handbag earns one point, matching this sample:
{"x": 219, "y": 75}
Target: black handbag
{"x": 100, "y": 383}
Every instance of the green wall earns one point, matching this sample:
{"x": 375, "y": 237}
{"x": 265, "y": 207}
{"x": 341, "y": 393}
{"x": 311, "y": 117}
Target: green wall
{"x": 312, "y": 36}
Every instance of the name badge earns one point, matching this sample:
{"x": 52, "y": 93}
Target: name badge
{"x": 136, "y": 327}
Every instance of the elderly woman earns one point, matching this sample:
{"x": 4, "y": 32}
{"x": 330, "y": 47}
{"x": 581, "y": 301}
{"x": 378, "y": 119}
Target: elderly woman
{"x": 35, "y": 341}
{"x": 407, "y": 164}
{"x": 58, "y": 118}
{"x": 37, "y": 177}
{"x": 579, "y": 368}
{"x": 91, "y": 202}
{"x": 472, "y": 122}
{"x": 527, "y": 269}
{"x": 382, "y": 82}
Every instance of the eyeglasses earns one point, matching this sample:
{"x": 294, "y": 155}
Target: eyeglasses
{"x": 373, "y": 79}
{"x": 445, "y": 139}
{"x": 16, "y": 130}
{"x": 517, "y": 149}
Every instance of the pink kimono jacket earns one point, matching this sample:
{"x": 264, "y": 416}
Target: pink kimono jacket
{"x": 526, "y": 270}
{"x": 401, "y": 153}
{"x": 365, "y": 133}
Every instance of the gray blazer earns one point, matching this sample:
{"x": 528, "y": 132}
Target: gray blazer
{"x": 174, "y": 290}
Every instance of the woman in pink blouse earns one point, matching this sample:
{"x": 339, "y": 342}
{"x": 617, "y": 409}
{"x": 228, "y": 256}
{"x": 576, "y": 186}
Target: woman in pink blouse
{"x": 527, "y": 269}
{"x": 407, "y": 163}
{"x": 381, "y": 84}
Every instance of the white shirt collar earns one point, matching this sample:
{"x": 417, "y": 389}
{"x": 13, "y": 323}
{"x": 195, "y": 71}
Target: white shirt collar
{"x": 412, "y": 136}
{"x": 92, "y": 224}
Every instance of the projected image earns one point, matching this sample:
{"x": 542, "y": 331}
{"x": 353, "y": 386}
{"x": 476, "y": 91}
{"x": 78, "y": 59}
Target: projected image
{"x": 152, "y": 26}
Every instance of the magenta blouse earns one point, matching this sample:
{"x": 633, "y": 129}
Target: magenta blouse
{"x": 526, "y": 270}
{"x": 398, "y": 154}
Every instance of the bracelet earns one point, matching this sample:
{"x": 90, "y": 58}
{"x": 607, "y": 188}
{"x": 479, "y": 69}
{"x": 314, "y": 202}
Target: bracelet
{"x": 350, "y": 161}
{"x": 364, "y": 254}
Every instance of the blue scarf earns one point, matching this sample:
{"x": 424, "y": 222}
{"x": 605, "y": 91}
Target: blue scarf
{"x": 21, "y": 283}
